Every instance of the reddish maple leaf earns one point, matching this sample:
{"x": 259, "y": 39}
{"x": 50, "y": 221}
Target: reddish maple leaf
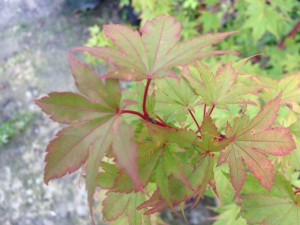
{"x": 253, "y": 140}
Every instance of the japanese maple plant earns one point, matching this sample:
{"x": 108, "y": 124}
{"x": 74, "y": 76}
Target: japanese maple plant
{"x": 155, "y": 144}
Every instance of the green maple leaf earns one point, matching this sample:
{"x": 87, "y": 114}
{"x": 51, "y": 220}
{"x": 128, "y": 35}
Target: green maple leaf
{"x": 148, "y": 155}
{"x": 280, "y": 206}
{"x": 253, "y": 140}
{"x": 229, "y": 215}
{"x": 172, "y": 191}
{"x": 183, "y": 137}
{"x": 177, "y": 95}
{"x": 264, "y": 18}
{"x": 219, "y": 89}
{"x": 154, "y": 52}
{"x": 105, "y": 179}
{"x": 119, "y": 207}
{"x": 211, "y": 139}
{"x": 94, "y": 123}
{"x": 170, "y": 166}
{"x": 210, "y": 21}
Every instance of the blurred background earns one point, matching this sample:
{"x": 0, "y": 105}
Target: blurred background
{"x": 35, "y": 36}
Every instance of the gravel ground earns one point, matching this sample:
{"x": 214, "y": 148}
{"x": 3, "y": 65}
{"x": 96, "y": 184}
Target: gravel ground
{"x": 35, "y": 37}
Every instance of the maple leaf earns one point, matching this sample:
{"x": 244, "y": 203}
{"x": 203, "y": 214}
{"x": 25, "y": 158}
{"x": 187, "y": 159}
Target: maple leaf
{"x": 170, "y": 166}
{"x": 289, "y": 85}
{"x": 94, "y": 122}
{"x": 280, "y": 206}
{"x": 105, "y": 179}
{"x": 177, "y": 95}
{"x": 219, "y": 89}
{"x": 173, "y": 191}
{"x": 154, "y": 51}
{"x": 252, "y": 142}
{"x": 183, "y": 137}
{"x": 229, "y": 215}
{"x": 211, "y": 139}
{"x": 148, "y": 155}
{"x": 267, "y": 16}
{"x": 122, "y": 207}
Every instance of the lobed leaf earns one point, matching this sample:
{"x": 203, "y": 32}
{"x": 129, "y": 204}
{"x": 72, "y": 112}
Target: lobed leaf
{"x": 123, "y": 207}
{"x": 177, "y": 95}
{"x": 211, "y": 139}
{"x": 252, "y": 142}
{"x": 148, "y": 155}
{"x": 94, "y": 122}
{"x": 89, "y": 83}
{"x": 184, "y": 138}
{"x": 219, "y": 89}
{"x": 68, "y": 108}
{"x": 153, "y": 52}
{"x": 174, "y": 192}
{"x": 125, "y": 149}
{"x": 273, "y": 208}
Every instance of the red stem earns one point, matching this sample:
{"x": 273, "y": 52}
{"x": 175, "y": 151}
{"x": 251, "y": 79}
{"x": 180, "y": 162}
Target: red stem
{"x": 204, "y": 111}
{"x": 292, "y": 33}
{"x": 199, "y": 128}
{"x": 134, "y": 113}
{"x": 211, "y": 110}
{"x": 146, "y": 115}
{"x": 160, "y": 119}
{"x": 145, "y": 98}
{"x": 161, "y": 124}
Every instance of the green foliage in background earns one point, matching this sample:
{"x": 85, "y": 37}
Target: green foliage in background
{"x": 266, "y": 28}
{"x": 13, "y": 126}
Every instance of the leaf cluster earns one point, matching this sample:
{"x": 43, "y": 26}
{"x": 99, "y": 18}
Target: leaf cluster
{"x": 158, "y": 145}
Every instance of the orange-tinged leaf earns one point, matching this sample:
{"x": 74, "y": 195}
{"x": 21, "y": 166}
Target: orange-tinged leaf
{"x": 130, "y": 44}
{"x": 153, "y": 52}
{"x": 237, "y": 170}
{"x": 96, "y": 153}
{"x": 94, "y": 122}
{"x": 266, "y": 116}
{"x": 259, "y": 164}
{"x": 89, "y": 83}
{"x": 72, "y": 145}
{"x": 253, "y": 141}
{"x": 160, "y": 35}
{"x": 125, "y": 149}
{"x": 68, "y": 107}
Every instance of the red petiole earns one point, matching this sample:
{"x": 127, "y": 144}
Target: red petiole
{"x": 145, "y": 98}
{"x": 199, "y": 127}
{"x": 146, "y": 116}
